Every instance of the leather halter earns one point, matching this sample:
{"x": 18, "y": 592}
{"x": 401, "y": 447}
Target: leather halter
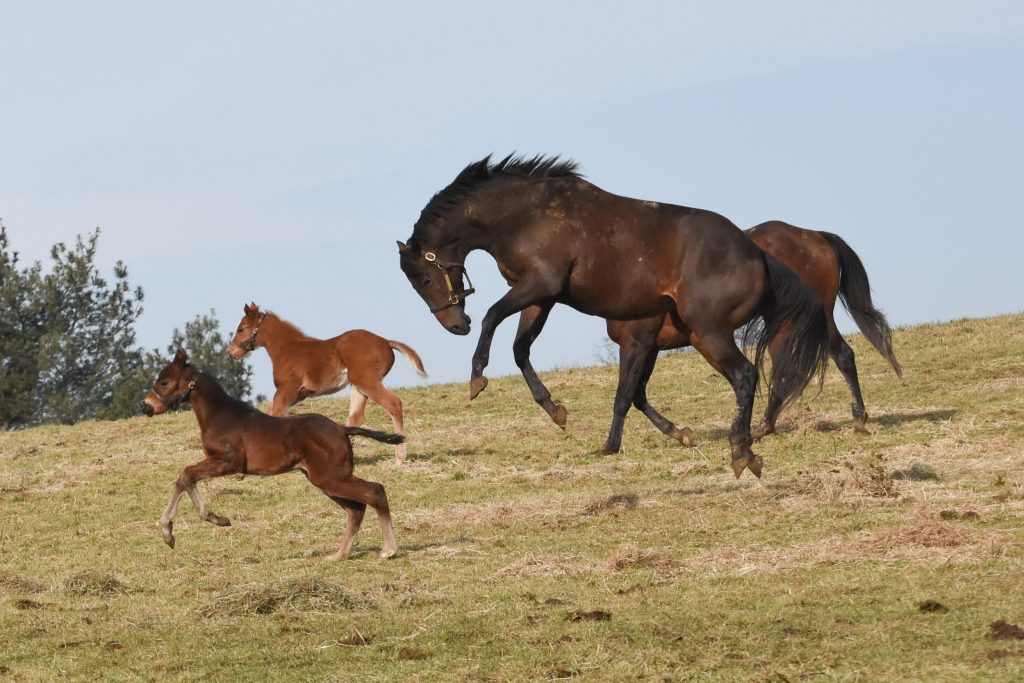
{"x": 454, "y": 298}
{"x": 176, "y": 401}
{"x": 250, "y": 343}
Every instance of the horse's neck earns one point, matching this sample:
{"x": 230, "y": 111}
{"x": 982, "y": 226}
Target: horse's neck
{"x": 208, "y": 399}
{"x": 275, "y": 333}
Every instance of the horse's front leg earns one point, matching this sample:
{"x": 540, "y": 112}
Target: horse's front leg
{"x": 186, "y": 483}
{"x": 515, "y": 300}
{"x": 531, "y": 322}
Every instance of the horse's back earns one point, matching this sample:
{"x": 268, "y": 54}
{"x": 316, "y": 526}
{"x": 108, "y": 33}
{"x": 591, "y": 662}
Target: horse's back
{"x": 805, "y": 252}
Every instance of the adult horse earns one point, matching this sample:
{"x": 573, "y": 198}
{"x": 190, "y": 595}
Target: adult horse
{"x": 826, "y": 264}
{"x": 559, "y": 239}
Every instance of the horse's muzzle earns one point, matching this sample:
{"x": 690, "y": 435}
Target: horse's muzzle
{"x": 147, "y": 409}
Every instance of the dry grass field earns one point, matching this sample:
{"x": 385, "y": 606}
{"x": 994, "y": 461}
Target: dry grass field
{"x": 524, "y": 555}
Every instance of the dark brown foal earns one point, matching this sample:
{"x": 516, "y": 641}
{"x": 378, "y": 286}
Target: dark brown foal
{"x": 306, "y": 366}
{"x": 239, "y": 439}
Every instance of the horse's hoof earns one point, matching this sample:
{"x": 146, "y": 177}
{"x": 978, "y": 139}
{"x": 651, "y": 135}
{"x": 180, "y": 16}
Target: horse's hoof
{"x": 739, "y": 464}
{"x": 476, "y": 385}
{"x": 220, "y": 521}
{"x": 336, "y": 557}
{"x": 683, "y": 436}
{"x": 559, "y": 416}
{"x": 607, "y": 450}
{"x": 763, "y": 431}
{"x": 860, "y": 425}
{"x": 169, "y": 540}
{"x": 755, "y": 466}
{"x": 388, "y": 553}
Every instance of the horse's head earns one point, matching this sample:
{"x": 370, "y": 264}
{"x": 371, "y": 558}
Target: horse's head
{"x": 172, "y": 386}
{"x": 438, "y": 281}
{"x": 244, "y": 340}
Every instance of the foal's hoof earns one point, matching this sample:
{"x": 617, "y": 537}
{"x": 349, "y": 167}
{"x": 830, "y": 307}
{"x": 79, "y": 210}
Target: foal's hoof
{"x": 559, "y": 416}
{"x": 476, "y": 385}
{"x": 762, "y": 431}
{"x": 860, "y": 425}
{"x": 683, "y": 436}
{"x": 219, "y": 521}
{"x": 388, "y": 553}
{"x": 168, "y": 536}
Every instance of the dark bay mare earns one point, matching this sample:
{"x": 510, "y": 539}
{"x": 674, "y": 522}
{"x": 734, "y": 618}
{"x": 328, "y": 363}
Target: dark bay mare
{"x": 239, "y": 439}
{"x": 559, "y": 239}
{"x": 826, "y": 264}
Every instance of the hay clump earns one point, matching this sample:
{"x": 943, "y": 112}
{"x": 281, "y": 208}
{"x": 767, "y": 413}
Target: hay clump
{"x": 94, "y": 583}
{"x": 14, "y": 584}
{"x": 627, "y": 501}
{"x": 296, "y": 595}
{"x": 632, "y": 557}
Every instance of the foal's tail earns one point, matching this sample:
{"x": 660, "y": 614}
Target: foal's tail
{"x": 377, "y": 436}
{"x": 855, "y": 293}
{"x": 410, "y": 355}
{"x": 794, "y": 326}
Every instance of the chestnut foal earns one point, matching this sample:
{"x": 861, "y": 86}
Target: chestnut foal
{"x": 239, "y": 439}
{"x": 305, "y": 366}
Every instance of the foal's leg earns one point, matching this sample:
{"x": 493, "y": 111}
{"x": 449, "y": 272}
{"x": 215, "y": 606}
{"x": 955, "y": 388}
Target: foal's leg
{"x": 354, "y": 519}
{"x": 186, "y": 482}
{"x": 285, "y": 397}
{"x": 356, "y": 408}
{"x": 531, "y": 322}
{"x": 719, "y": 348}
{"x": 326, "y": 478}
{"x": 391, "y": 403}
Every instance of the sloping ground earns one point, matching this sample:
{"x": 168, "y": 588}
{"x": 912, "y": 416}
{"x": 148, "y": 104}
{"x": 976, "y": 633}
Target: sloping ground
{"x": 525, "y": 555}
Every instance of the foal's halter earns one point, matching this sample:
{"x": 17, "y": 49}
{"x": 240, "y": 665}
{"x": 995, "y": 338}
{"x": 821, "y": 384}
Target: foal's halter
{"x": 250, "y": 343}
{"x": 454, "y": 298}
{"x": 177, "y": 400}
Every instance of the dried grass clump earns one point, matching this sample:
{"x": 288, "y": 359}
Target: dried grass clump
{"x": 94, "y": 583}
{"x": 924, "y": 534}
{"x": 296, "y": 595}
{"x": 632, "y": 557}
{"x": 627, "y": 501}
{"x": 14, "y": 584}
{"x": 547, "y": 566}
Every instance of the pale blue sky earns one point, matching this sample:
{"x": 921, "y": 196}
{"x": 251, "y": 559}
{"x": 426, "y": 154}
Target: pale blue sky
{"x": 274, "y": 152}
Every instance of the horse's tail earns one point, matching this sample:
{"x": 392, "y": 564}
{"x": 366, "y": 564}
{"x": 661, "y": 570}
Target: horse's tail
{"x": 855, "y": 293}
{"x": 794, "y": 324}
{"x": 410, "y": 355}
{"x": 377, "y": 436}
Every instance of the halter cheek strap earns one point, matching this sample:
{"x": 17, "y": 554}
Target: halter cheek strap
{"x": 181, "y": 398}
{"x": 454, "y": 298}
{"x": 250, "y": 343}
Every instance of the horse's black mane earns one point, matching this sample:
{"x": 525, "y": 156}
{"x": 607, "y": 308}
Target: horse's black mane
{"x": 483, "y": 171}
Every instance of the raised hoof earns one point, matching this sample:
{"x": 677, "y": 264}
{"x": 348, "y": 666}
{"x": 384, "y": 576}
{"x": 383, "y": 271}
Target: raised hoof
{"x": 762, "y": 431}
{"x": 559, "y": 416}
{"x": 683, "y": 436}
{"x": 220, "y": 521}
{"x": 476, "y": 385}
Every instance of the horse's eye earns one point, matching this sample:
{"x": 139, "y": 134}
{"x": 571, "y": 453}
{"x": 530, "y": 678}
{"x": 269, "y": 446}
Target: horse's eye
{"x": 240, "y": 328}
{"x": 163, "y": 382}
{"x": 426, "y": 281}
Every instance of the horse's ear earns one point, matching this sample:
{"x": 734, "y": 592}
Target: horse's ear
{"x": 402, "y": 246}
{"x": 180, "y": 358}
{"x": 246, "y": 309}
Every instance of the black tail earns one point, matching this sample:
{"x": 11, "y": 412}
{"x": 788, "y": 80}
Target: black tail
{"x": 855, "y": 293}
{"x": 791, "y": 309}
{"x": 378, "y": 436}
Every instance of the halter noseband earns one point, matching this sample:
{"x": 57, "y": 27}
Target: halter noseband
{"x": 250, "y": 343}
{"x": 454, "y": 298}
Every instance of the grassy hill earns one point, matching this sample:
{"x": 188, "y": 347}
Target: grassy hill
{"x": 524, "y": 555}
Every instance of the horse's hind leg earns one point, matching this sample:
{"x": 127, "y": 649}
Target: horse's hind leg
{"x": 359, "y": 491}
{"x": 356, "y": 408}
{"x": 390, "y": 403}
{"x": 843, "y": 356}
{"x": 633, "y": 352}
{"x": 354, "y": 519}
{"x": 531, "y": 322}
{"x": 719, "y": 349}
